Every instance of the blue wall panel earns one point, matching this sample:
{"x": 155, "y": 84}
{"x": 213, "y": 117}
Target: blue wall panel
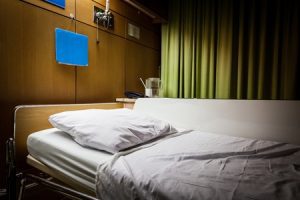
{"x": 59, "y": 3}
{"x": 71, "y": 48}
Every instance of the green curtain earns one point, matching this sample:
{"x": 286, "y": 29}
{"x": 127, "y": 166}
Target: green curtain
{"x": 238, "y": 49}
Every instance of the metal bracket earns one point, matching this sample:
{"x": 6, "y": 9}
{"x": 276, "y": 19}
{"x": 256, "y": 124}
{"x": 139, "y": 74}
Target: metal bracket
{"x": 60, "y": 188}
{"x": 105, "y": 19}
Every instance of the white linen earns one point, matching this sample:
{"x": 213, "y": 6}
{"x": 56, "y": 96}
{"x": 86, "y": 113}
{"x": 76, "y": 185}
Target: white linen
{"x": 58, "y": 151}
{"x": 110, "y": 130}
{"x": 199, "y": 165}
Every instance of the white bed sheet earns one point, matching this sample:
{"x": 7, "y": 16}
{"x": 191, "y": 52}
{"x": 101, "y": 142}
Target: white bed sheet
{"x": 57, "y": 150}
{"x": 199, "y": 165}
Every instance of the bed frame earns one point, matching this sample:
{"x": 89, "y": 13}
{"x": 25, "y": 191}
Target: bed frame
{"x": 29, "y": 119}
{"x": 261, "y": 119}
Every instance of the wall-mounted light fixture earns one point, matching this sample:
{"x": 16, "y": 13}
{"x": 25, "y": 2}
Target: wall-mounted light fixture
{"x": 103, "y": 17}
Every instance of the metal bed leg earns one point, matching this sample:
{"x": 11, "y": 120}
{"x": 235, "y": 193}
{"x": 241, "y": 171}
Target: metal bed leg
{"x": 10, "y": 161}
{"x": 22, "y": 187}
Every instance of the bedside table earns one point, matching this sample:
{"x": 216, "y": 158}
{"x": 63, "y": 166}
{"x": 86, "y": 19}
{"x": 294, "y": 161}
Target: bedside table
{"x": 127, "y": 102}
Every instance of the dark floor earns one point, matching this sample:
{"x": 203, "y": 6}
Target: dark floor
{"x": 39, "y": 192}
{"x": 2, "y": 193}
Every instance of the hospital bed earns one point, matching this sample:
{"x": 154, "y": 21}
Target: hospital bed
{"x": 56, "y": 154}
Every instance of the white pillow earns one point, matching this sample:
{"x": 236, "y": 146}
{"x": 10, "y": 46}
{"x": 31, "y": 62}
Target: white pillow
{"x": 110, "y": 130}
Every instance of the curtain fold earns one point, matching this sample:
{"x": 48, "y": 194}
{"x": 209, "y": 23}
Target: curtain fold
{"x": 231, "y": 49}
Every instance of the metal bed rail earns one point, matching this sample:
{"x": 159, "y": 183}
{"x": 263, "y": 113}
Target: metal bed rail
{"x": 17, "y": 183}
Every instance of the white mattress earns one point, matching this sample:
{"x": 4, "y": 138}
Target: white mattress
{"x": 58, "y": 151}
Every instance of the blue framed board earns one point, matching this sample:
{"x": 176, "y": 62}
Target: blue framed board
{"x": 71, "y": 48}
{"x": 58, "y": 3}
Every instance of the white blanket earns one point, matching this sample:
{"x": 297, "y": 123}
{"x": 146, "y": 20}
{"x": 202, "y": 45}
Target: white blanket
{"x": 198, "y": 165}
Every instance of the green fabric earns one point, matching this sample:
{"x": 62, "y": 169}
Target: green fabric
{"x": 240, "y": 49}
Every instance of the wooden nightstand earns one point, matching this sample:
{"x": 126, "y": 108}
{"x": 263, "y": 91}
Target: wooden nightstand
{"x": 128, "y": 103}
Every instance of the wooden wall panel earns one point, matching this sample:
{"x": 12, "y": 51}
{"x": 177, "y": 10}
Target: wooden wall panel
{"x": 147, "y": 37}
{"x": 70, "y": 7}
{"x": 135, "y": 15}
{"x": 130, "y": 12}
{"x": 28, "y": 71}
{"x": 85, "y": 10}
{"x": 136, "y": 67}
{"x": 103, "y": 80}
{"x": 150, "y": 33}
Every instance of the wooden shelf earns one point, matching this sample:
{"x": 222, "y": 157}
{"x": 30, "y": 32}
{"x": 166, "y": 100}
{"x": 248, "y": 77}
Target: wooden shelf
{"x": 127, "y": 102}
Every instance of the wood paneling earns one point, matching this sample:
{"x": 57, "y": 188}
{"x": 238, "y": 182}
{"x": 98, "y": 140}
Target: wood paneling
{"x": 122, "y": 11}
{"x": 103, "y": 79}
{"x": 136, "y": 67}
{"x": 139, "y": 17}
{"x": 70, "y": 7}
{"x": 85, "y": 10}
{"x": 28, "y": 71}
{"x": 130, "y": 12}
{"x": 150, "y": 33}
{"x": 147, "y": 38}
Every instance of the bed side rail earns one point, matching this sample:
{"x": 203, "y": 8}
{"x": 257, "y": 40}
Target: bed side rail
{"x": 16, "y": 183}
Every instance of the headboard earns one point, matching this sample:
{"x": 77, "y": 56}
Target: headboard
{"x": 276, "y": 120}
{"x": 29, "y": 119}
